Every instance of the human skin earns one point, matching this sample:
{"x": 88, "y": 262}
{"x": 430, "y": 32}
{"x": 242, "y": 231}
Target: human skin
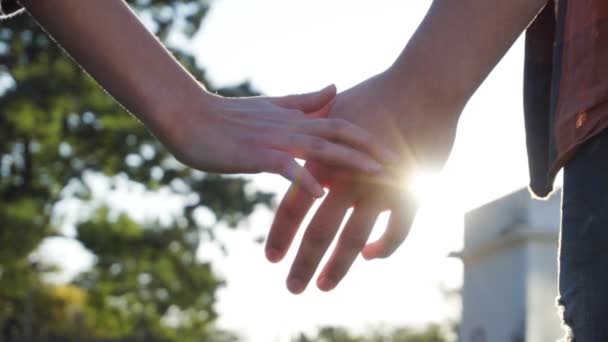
{"x": 203, "y": 130}
{"x": 414, "y": 107}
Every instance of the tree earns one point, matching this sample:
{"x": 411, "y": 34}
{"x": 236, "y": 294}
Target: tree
{"x": 56, "y": 126}
{"x": 432, "y": 333}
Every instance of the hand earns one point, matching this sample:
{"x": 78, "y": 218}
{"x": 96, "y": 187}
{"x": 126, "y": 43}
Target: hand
{"x": 420, "y": 137}
{"x": 265, "y": 134}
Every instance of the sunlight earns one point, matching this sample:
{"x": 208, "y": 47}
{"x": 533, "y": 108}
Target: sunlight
{"x": 423, "y": 184}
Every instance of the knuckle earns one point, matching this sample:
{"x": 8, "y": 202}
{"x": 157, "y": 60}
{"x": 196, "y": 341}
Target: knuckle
{"x": 353, "y": 241}
{"x": 297, "y": 113}
{"x": 346, "y": 128}
{"x": 280, "y": 164}
{"x": 291, "y": 140}
{"x": 367, "y": 139}
{"x": 355, "y": 157}
{"x": 338, "y": 125}
{"x": 265, "y": 132}
{"x": 250, "y": 140}
{"x": 317, "y": 144}
{"x": 316, "y": 238}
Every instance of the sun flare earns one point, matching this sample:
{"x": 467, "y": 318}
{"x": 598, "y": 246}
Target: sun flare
{"x": 422, "y": 184}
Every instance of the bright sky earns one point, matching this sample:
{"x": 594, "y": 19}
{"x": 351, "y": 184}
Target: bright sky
{"x": 286, "y": 46}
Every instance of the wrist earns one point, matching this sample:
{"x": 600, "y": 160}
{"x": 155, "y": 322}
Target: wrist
{"x": 409, "y": 89}
{"x": 175, "y": 111}
{"x": 427, "y": 121}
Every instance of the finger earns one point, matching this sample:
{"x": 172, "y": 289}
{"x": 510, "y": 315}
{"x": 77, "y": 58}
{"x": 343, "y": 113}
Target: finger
{"x": 284, "y": 165}
{"x": 352, "y": 239}
{"x": 347, "y": 133}
{"x": 290, "y": 214}
{"x": 396, "y": 232}
{"x": 317, "y": 238}
{"x": 323, "y": 112}
{"x": 311, "y": 147}
{"x": 308, "y": 103}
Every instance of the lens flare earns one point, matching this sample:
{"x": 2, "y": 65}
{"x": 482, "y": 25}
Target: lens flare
{"x": 423, "y": 184}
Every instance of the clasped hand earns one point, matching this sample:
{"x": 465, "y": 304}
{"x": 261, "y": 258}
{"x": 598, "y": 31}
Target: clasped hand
{"x": 265, "y": 134}
{"x": 342, "y": 138}
{"x": 399, "y": 123}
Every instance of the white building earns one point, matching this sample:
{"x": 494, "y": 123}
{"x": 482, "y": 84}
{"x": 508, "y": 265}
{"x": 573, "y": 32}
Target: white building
{"x": 510, "y": 271}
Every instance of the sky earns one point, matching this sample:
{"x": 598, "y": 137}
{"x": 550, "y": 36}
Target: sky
{"x": 289, "y": 46}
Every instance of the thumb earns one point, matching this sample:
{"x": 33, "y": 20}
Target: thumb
{"x": 309, "y": 102}
{"x": 322, "y": 112}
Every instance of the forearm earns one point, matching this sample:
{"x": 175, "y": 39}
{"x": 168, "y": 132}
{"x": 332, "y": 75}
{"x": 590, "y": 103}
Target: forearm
{"x": 456, "y": 47}
{"x": 109, "y": 42}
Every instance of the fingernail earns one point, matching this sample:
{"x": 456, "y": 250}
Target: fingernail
{"x": 295, "y": 285}
{"x": 273, "y": 255}
{"x": 324, "y": 284}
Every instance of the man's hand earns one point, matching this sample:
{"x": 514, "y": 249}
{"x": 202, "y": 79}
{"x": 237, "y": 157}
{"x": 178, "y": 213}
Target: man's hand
{"x": 413, "y": 107}
{"x": 411, "y": 130}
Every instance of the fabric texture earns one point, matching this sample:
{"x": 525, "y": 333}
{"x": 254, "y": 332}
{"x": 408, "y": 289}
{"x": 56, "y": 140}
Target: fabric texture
{"x": 566, "y": 88}
{"x": 583, "y": 256}
{"x": 9, "y": 7}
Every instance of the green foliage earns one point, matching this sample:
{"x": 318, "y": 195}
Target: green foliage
{"x": 431, "y": 333}
{"x": 56, "y": 126}
{"x": 148, "y": 273}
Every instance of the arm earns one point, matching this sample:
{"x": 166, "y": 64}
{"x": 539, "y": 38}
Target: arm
{"x": 458, "y": 44}
{"x": 203, "y": 130}
{"x": 454, "y": 49}
{"x": 110, "y": 43}
{"x": 416, "y": 105}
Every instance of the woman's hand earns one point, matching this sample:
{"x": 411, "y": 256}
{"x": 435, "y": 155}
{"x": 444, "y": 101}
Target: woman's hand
{"x": 265, "y": 134}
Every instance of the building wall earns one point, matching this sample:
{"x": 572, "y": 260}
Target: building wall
{"x": 544, "y": 215}
{"x": 542, "y": 317}
{"x": 494, "y": 297}
{"x": 488, "y": 222}
{"x": 510, "y": 274}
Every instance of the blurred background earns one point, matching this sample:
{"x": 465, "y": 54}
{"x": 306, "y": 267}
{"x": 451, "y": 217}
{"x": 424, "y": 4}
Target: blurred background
{"x": 105, "y": 237}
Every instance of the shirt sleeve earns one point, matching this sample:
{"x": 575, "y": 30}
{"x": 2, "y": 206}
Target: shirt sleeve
{"x": 9, "y": 7}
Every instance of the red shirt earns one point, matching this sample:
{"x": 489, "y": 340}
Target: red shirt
{"x": 566, "y": 85}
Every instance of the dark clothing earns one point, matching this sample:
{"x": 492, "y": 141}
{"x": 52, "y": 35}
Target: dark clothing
{"x": 583, "y": 257}
{"x": 566, "y": 85}
{"x": 566, "y": 116}
{"x": 9, "y": 7}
